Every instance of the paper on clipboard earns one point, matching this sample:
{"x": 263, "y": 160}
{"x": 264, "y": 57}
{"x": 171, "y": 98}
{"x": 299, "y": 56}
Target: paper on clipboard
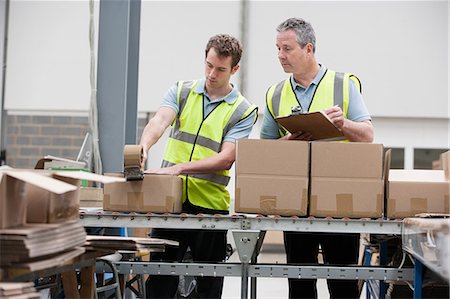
{"x": 316, "y": 123}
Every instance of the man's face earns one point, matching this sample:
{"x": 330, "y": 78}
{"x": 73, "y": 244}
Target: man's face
{"x": 292, "y": 57}
{"x": 218, "y": 70}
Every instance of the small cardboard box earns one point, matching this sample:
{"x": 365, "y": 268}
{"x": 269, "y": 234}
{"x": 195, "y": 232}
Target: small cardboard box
{"x": 272, "y": 177}
{"x": 346, "y": 180}
{"x": 155, "y": 193}
{"x": 14, "y": 197}
{"x": 412, "y": 192}
{"x": 47, "y": 207}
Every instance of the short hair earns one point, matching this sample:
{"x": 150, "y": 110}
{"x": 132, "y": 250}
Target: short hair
{"x": 225, "y": 45}
{"x": 303, "y": 29}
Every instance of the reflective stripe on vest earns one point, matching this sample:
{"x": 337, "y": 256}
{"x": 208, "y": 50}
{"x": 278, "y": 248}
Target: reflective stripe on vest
{"x": 195, "y": 137}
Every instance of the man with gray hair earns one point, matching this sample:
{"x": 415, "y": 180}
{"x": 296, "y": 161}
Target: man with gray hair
{"x": 311, "y": 87}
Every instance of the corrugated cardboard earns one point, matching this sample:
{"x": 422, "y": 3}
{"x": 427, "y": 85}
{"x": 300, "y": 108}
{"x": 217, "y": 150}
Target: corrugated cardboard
{"x": 412, "y": 192}
{"x": 272, "y": 177}
{"x": 47, "y": 207}
{"x": 346, "y": 179}
{"x": 13, "y": 197}
{"x": 91, "y": 197}
{"x": 155, "y": 193}
{"x": 445, "y": 164}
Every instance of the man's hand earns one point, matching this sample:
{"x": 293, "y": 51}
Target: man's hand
{"x": 172, "y": 170}
{"x": 300, "y": 135}
{"x": 355, "y": 131}
{"x": 144, "y": 158}
{"x": 336, "y": 116}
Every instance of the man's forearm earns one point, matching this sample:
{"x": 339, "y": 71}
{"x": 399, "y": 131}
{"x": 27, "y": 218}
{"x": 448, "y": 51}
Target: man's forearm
{"x": 358, "y": 131}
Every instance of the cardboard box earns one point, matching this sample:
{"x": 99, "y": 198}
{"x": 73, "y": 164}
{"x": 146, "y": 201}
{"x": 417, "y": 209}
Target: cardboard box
{"x": 412, "y": 192}
{"x": 445, "y": 164}
{"x": 47, "y": 207}
{"x": 13, "y": 196}
{"x": 91, "y": 197}
{"x": 272, "y": 177}
{"x": 346, "y": 180}
{"x": 155, "y": 193}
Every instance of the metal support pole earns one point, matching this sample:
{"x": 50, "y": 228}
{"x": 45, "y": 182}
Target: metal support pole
{"x": 254, "y": 260}
{"x": 367, "y": 258}
{"x": 244, "y": 36}
{"x": 4, "y": 15}
{"x": 244, "y": 281}
{"x": 383, "y": 262}
{"x": 246, "y": 241}
{"x": 418, "y": 270}
{"x": 118, "y": 60}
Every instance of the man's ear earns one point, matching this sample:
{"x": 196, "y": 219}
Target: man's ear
{"x": 310, "y": 48}
{"x": 234, "y": 70}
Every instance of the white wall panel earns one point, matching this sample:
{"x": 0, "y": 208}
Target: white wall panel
{"x": 398, "y": 49}
{"x": 173, "y": 39}
{"x": 48, "y": 56}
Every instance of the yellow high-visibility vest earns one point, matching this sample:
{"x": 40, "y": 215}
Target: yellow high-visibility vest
{"x": 195, "y": 137}
{"x": 332, "y": 90}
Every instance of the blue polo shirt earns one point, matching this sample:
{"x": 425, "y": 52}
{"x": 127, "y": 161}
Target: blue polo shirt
{"x": 241, "y": 130}
{"x": 357, "y": 110}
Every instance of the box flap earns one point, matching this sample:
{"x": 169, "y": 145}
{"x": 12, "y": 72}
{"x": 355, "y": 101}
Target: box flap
{"x": 316, "y": 123}
{"x": 89, "y": 176}
{"x": 47, "y": 161}
{"x": 47, "y": 183}
{"x": 416, "y": 175}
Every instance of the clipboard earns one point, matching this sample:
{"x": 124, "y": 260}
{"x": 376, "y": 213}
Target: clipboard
{"x": 317, "y": 123}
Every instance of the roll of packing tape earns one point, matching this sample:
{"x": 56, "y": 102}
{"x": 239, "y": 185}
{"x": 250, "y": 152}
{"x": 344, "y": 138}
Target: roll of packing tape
{"x": 133, "y": 155}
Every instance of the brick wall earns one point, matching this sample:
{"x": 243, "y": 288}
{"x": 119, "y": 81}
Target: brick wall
{"x": 31, "y": 137}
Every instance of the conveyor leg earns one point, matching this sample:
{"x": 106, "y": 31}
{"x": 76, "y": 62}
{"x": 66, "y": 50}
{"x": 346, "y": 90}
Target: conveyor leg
{"x": 418, "y": 267}
{"x": 245, "y": 241}
{"x": 383, "y": 262}
{"x": 254, "y": 260}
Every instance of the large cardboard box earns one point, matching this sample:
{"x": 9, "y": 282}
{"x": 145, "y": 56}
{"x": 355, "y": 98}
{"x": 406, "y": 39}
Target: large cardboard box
{"x": 14, "y": 197}
{"x": 272, "y": 177}
{"x": 412, "y": 192}
{"x": 48, "y": 207}
{"x": 346, "y": 179}
{"x": 155, "y": 193}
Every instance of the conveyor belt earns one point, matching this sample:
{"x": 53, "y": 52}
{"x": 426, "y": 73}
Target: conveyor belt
{"x": 100, "y": 218}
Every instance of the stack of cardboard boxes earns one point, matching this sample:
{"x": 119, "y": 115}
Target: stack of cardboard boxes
{"x": 333, "y": 179}
{"x": 36, "y": 206}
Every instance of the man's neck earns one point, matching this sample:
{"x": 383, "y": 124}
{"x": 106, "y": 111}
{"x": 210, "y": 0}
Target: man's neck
{"x": 218, "y": 93}
{"x": 305, "y": 77}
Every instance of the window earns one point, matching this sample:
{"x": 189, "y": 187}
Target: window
{"x": 397, "y": 158}
{"x": 424, "y": 157}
